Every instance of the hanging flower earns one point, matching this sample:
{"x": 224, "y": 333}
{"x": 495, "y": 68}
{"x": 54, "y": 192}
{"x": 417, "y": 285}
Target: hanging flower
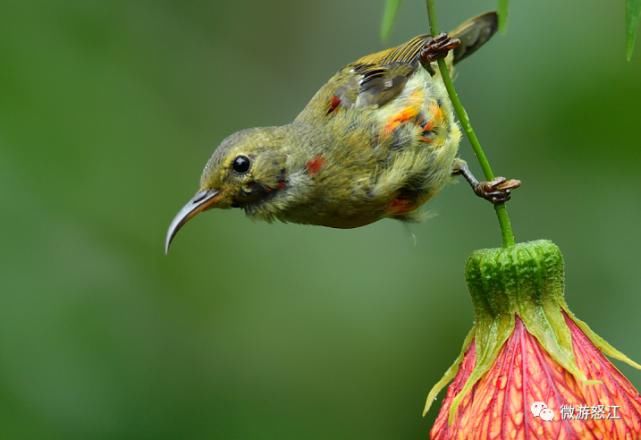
{"x": 529, "y": 368}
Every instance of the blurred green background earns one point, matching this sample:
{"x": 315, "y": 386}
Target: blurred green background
{"x": 109, "y": 110}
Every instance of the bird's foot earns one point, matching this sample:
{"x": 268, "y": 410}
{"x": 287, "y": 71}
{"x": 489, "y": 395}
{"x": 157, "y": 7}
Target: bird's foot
{"x": 437, "y": 48}
{"x": 496, "y": 191}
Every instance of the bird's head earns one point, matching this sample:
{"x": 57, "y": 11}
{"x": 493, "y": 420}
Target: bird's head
{"x": 247, "y": 169}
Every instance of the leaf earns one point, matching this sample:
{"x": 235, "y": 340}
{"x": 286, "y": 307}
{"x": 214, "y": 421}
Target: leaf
{"x": 503, "y": 9}
{"x": 632, "y": 16}
{"x": 389, "y": 15}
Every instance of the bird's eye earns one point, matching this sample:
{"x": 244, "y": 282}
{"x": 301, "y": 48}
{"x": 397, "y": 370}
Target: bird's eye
{"x": 241, "y": 164}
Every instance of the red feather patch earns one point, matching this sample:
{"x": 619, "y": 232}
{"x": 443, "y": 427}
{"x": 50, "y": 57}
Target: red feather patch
{"x": 333, "y": 104}
{"x": 399, "y": 206}
{"x": 315, "y": 164}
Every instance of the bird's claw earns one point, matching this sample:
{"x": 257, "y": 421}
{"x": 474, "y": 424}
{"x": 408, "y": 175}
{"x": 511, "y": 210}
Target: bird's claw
{"x": 437, "y": 48}
{"x": 498, "y": 190}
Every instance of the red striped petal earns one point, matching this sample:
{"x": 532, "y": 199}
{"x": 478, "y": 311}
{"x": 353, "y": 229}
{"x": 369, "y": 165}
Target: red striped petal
{"x": 499, "y": 405}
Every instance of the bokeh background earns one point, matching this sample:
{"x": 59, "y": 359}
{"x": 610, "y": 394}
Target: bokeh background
{"x": 109, "y": 110}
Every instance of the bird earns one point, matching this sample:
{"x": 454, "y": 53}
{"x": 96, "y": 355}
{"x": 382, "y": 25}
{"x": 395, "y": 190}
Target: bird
{"x": 377, "y": 140}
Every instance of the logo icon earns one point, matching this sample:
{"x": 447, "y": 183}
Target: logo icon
{"x": 541, "y": 410}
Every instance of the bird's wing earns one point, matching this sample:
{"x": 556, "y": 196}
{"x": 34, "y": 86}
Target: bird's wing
{"x": 376, "y": 79}
{"x": 382, "y": 75}
{"x": 372, "y": 80}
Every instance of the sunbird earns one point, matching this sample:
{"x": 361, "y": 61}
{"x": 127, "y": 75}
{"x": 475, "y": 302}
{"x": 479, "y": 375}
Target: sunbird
{"x": 378, "y": 140}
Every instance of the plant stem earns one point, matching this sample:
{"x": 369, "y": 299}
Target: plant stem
{"x": 501, "y": 210}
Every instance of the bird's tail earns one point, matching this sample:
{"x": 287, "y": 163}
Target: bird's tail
{"x": 473, "y": 34}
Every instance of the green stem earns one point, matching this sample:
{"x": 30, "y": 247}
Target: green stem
{"x": 501, "y": 209}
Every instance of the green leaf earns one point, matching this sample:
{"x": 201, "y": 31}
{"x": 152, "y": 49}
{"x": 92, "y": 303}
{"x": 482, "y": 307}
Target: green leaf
{"x": 503, "y": 8}
{"x": 632, "y": 16}
{"x": 391, "y": 8}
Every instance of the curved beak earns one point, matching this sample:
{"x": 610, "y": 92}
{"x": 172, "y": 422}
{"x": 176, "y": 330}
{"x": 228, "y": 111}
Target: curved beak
{"x": 202, "y": 201}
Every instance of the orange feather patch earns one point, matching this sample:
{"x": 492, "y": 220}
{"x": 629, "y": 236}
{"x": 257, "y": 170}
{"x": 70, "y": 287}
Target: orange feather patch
{"x": 406, "y": 115}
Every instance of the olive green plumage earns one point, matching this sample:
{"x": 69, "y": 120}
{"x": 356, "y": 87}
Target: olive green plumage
{"x": 377, "y": 140}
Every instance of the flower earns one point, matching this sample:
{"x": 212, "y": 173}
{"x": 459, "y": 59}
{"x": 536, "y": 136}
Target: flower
{"x": 529, "y": 368}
